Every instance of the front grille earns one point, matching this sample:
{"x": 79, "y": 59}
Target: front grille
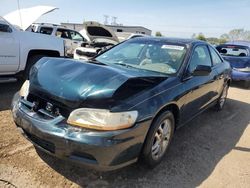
{"x": 41, "y": 103}
{"x": 49, "y": 146}
{"x": 88, "y": 54}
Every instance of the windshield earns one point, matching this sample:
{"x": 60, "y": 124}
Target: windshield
{"x": 157, "y": 56}
{"x": 232, "y": 50}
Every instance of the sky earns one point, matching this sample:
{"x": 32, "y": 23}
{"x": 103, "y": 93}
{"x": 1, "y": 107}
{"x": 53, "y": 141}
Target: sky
{"x": 175, "y": 18}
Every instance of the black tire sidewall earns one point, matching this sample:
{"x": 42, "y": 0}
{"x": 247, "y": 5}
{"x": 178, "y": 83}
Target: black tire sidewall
{"x": 247, "y": 84}
{"x": 31, "y": 61}
{"x": 146, "y": 154}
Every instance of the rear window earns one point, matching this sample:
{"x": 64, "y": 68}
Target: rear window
{"x": 98, "y": 31}
{"x": 232, "y": 50}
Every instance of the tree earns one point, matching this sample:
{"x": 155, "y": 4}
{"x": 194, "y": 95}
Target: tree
{"x": 236, "y": 34}
{"x": 201, "y": 36}
{"x": 158, "y": 34}
{"x": 225, "y": 37}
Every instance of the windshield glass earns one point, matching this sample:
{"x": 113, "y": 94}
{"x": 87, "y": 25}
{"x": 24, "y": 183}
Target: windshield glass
{"x": 157, "y": 56}
{"x": 232, "y": 50}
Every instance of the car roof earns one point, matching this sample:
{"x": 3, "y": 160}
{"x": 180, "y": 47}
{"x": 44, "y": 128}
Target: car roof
{"x": 240, "y": 43}
{"x": 50, "y": 25}
{"x": 181, "y": 41}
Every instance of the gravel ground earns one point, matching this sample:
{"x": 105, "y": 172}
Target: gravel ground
{"x": 211, "y": 151}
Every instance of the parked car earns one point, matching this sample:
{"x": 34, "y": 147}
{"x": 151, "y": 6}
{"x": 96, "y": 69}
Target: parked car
{"x": 99, "y": 38}
{"x": 126, "y": 35}
{"x": 21, "y": 49}
{"x": 73, "y": 39}
{"x": 123, "y": 105}
{"x": 237, "y": 53}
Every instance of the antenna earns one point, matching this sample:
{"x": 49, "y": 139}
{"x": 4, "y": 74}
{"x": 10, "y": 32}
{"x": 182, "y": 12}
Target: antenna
{"x": 20, "y": 16}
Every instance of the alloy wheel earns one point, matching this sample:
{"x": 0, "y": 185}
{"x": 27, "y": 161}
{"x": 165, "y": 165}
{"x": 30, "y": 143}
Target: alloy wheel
{"x": 161, "y": 139}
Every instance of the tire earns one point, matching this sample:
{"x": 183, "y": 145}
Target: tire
{"x": 157, "y": 142}
{"x": 31, "y": 61}
{"x": 222, "y": 99}
{"x": 247, "y": 84}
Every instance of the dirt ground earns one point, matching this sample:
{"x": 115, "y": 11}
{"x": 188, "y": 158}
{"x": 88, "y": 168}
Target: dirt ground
{"x": 211, "y": 151}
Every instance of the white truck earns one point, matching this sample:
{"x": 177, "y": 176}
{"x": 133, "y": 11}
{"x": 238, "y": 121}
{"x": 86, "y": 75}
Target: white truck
{"x": 19, "y": 50}
{"x": 72, "y": 38}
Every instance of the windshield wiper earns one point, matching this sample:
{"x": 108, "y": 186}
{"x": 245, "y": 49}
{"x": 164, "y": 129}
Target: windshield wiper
{"x": 125, "y": 65}
{"x": 95, "y": 61}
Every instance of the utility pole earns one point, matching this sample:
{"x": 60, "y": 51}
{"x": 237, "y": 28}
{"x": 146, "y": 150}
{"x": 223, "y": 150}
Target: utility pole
{"x": 106, "y": 17}
{"x": 114, "y": 20}
{"x": 20, "y": 16}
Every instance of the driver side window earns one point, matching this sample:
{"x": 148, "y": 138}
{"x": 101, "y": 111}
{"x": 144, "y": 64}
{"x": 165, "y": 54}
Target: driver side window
{"x": 200, "y": 56}
{"x": 5, "y": 28}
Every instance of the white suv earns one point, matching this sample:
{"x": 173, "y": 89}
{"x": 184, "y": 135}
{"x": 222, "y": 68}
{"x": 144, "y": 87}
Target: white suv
{"x": 72, "y": 38}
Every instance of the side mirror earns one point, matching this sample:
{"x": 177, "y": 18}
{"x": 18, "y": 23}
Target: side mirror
{"x": 5, "y": 28}
{"x": 202, "y": 70}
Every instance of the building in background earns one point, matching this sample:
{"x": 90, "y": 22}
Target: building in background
{"x": 122, "y": 32}
{"x": 130, "y": 29}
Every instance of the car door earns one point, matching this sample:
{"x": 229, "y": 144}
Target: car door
{"x": 219, "y": 68}
{"x": 200, "y": 90}
{"x": 65, "y": 34}
{"x": 9, "y": 51}
{"x": 77, "y": 40}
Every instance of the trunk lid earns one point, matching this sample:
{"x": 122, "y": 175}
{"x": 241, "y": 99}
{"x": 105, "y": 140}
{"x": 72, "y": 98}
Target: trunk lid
{"x": 238, "y": 62}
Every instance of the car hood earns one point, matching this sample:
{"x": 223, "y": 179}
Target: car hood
{"x": 87, "y": 84}
{"x": 238, "y": 62}
{"x": 94, "y": 30}
{"x": 23, "y": 18}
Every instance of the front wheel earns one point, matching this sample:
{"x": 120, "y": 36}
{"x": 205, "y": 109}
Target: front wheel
{"x": 158, "y": 139}
{"x": 222, "y": 99}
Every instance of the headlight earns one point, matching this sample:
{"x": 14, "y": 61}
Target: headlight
{"x": 24, "y": 91}
{"x": 102, "y": 119}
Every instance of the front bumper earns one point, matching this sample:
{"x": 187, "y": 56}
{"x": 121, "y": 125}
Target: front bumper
{"x": 101, "y": 150}
{"x": 240, "y": 75}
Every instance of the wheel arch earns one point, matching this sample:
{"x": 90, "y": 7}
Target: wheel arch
{"x": 49, "y": 53}
{"x": 171, "y": 107}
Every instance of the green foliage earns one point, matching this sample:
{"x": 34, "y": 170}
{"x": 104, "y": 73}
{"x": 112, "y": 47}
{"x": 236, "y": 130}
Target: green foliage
{"x": 235, "y": 34}
{"x": 158, "y": 34}
{"x": 239, "y": 34}
{"x": 201, "y": 36}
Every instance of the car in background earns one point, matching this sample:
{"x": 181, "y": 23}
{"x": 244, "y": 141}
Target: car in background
{"x": 72, "y": 38}
{"x": 123, "y": 105}
{"x": 237, "y": 53}
{"x": 20, "y": 50}
{"x": 99, "y": 38}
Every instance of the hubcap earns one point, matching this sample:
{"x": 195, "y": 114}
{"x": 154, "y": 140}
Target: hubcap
{"x": 223, "y": 96}
{"x": 161, "y": 139}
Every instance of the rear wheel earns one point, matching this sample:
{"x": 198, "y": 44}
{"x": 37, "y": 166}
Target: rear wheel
{"x": 31, "y": 61}
{"x": 221, "y": 101}
{"x": 247, "y": 84}
{"x": 158, "y": 139}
